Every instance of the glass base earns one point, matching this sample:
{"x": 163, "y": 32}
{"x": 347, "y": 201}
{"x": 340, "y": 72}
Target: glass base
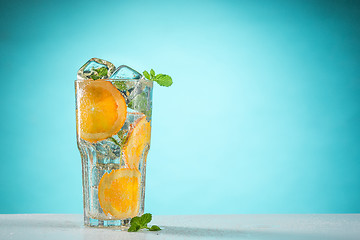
{"x": 118, "y": 224}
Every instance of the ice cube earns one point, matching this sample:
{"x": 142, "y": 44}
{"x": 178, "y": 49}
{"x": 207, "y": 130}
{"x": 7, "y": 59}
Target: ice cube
{"x": 88, "y": 69}
{"x": 139, "y": 89}
{"x": 130, "y": 88}
{"x": 107, "y": 151}
{"x": 125, "y": 72}
{"x": 139, "y": 103}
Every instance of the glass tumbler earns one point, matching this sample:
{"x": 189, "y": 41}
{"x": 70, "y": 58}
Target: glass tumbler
{"x": 113, "y": 122}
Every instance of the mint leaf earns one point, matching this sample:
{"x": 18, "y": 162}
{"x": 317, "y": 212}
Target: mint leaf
{"x": 94, "y": 77}
{"x": 114, "y": 141}
{"x": 102, "y": 72}
{"x": 147, "y": 75}
{"x": 138, "y": 223}
{"x": 122, "y": 134}
{"x": 135, "y": 221}
{"x": 145, "y": 219}
{"x": 154, "y": 228}
{"x": 139, "y": 103}
{"x": 134, "y": 228}
{"x": 163, "y": 80}
{"x": 120, "y": 85}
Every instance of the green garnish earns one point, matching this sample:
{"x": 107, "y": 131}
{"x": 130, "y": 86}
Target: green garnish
{"x": 154, "y": 228}
{"x": 120, "y": 85}
{"x": 161, "y": 79}
{"x": 147, "y": 75}
{"x": 94, "y": 77}
{"x": 122, "y": 135}
{"x": 114, "y": 141}
{"x": 122, "y": 138}
{"x": 140, "y": 103}
{"x": 138, "y": 223}
{"x": 101, "y": 72}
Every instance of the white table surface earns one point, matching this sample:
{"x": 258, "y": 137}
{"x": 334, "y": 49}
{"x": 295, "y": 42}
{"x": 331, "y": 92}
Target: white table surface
{"x": 70, "y": 226}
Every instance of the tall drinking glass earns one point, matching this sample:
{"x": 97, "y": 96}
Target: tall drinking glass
{"x": 113, "y": 122}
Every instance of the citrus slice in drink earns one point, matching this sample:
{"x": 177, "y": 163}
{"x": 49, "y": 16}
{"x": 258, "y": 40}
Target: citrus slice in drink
{"x": 101, "y": 110}
{"x": 119, "y": 193}
{"x": 138, "y": 139}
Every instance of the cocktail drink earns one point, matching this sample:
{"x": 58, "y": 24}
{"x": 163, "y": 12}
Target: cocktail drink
{"x": 113, "y": 116}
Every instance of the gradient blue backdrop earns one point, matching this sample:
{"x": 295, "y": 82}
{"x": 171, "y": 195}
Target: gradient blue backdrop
{"x": 263, "y": 115}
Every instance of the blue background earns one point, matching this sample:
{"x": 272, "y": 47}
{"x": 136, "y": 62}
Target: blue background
{"x": 263, "y": 115}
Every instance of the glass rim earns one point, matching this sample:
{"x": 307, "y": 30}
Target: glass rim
{"x": 116, "y": 80}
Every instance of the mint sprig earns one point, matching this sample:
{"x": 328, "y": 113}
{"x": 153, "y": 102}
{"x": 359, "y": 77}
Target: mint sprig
{"x": 161, "y": 79}
{"x": 120, "y": 85}
{"x": 100, "y": 73}
{"x": 140, "y": 103}
{"x": 138, "y": 223}
{"x": 154, "y": 228}
{"x": 122, "y": 134}
{"x": 114, "y": 141}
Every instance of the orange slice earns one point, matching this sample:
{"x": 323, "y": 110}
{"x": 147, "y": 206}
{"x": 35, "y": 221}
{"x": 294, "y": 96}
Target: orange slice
{"x": 138, "y": 140}
{"x": 119, "y": 193}
{"x": 101, "y": 110}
